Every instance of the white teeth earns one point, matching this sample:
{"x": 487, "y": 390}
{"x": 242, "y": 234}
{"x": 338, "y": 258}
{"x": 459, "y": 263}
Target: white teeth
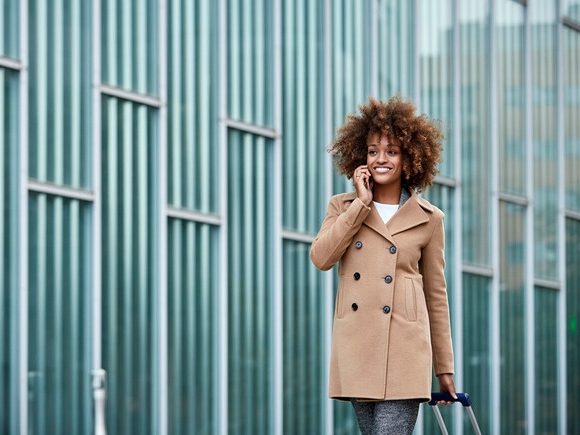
{"x": 382, "y": 170}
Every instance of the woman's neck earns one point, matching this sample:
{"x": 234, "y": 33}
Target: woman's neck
{"x": 387, "y": 194}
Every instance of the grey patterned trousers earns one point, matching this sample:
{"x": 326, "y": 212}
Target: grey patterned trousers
{"x": 387, "y": 417}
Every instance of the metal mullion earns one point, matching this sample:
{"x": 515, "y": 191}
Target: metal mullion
{"x": 194, "y": 216}
{"x": 23, "y": 223}
{"x": 446, "y": 181}
{"x": 571, "y": 23}
{"x": 572, "y": 214}
{"x": 546, "y": 283}
{"x": 515, "y": 199}
{"x": 477, "y": 270}
{"x": 328, "y": 130}
{"x": 61, "y": 191}
{"x": 251, "y": 128}
{"x": 12, "y": 64}
{"x": 495, "y": 236}
{"x": 297, "y": 236}
{"x": 222, "y": 298}
{"x": 162, "y": 285}
{"x": 562, "y": 302}
{"x": 132, "y": 96}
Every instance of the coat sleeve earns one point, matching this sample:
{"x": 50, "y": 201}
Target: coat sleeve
{"x": 336, "y": 232}
{"x": 432, "y": 267}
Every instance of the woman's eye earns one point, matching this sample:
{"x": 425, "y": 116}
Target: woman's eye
{"x": 372, "y": 153}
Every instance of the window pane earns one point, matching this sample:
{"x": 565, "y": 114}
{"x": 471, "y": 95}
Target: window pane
{"x": 192, "y": 110}
{"x": 512, "y": 321}
{"x": 509, "y": 31}
{"x": 477, "y": 348}
{"x": 543, "y": 72}
{"x": 475, "y": 127}
{"x": 436, "y": 69}
{"x": 546, "y": 342}
{"x": 396, "y": 33}
{"x": 130, "y": 52}
{"x": 250, "y": 60}
{"x": 129, "y": 144}
{"x": 193, "y": 326}
{"x": 251, "y": 276}
{"x": 60, "y": 89}
{"x": 59, "y": 301}
{"x": 305, "y": 371}
{"x": 9, "y": 105}
{"x": 303, "y": 141}
{"x": 572, "y": 324}
{"x": 571, "y": 77}
{"x": 9, "y": 29}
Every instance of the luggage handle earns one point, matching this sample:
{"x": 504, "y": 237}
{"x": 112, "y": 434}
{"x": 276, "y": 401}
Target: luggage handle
{"x": 463, "y": 398}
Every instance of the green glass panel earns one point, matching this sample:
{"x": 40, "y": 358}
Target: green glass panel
{"x": 351, "y": 72}
{"x": 303, "y": 140}
{"x": 60, "y": 92}
{"x": 572, "y": 320}
{"x": 9, "y": 28}
{"x": 59, "y": 301}
{"x": 475, "y": 129}
{"x": 129, "y": 44}
{"x": 129, "y": 144}
{"x": 395, "y": 41}
{"x": 193, "y": 326}
{"x": 546, "y": 348}
{"x": 509, "y": 31}
{"x": 192, "y": 109}
{"x": 345, "y": 422}
{"x": 545, "y": 146}
{"x": 305, "y": 371}
{"x": 571, "y": 86}
{"x": 512, "y": 320}
{"x": 8, "y": 252}
{"x": 250, "y": 45}
{"x": 572, "y": 9}
{"x": 436, "y": 70}
{"x": 250, "y": 284}
{"x": 477, "y": 348}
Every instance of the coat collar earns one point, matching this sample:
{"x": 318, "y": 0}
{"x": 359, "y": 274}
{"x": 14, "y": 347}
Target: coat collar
{"x": 413, "y": 211}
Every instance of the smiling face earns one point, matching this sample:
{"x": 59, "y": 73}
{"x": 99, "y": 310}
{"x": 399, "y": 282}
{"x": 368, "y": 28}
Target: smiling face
{"x": 384, "y": 160}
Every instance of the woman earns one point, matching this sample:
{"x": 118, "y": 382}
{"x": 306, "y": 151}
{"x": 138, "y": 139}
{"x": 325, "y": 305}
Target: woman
{"x": 391, "y": 320}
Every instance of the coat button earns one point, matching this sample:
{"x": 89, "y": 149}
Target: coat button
{"x": 386, "y": 309}
{"x": 393, "y": 249}
{"x": 354, "y": 307}
{"x": 388, "y": 279}
{"x": 358, "y": 244}
{"x": 356, "y": 276}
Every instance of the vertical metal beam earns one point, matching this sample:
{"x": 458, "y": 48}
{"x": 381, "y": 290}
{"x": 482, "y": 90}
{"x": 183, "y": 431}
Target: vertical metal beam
{"x": 23, "y": 223}
{"x": 375, "y": 53}
{"x": 222, "y": 298}
{"x": 163, "y": 379}
{"x": 457, "y": 211}
{"x": 562, "y": 308}
{"x": 529, "y": 229}
{"x": 278, "y": 237}
{"x": 328, "y": 277}
{"x": 495, "y": 245}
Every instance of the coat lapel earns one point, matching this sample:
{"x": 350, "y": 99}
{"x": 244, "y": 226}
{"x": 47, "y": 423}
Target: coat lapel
{"x": 411, "y": 214}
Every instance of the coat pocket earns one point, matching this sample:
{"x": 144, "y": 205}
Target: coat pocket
{"x": 410, "y": 299}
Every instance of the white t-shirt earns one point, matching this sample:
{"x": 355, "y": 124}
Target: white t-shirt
{"x": 386, "y": 210}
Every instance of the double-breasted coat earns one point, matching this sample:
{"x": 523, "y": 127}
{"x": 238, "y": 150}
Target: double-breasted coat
{"x": 391, "y": 320}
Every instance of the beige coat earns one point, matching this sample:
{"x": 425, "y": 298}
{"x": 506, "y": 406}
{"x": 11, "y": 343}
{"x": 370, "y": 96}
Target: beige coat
{"x": 391, "y": 318}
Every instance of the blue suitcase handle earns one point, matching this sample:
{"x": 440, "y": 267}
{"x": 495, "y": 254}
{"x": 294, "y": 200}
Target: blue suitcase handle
{"x": 461, "y": 397}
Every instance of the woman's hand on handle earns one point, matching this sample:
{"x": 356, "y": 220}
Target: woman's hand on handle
{"x": 446, "y": 385}
{"x": 363, "y": 183}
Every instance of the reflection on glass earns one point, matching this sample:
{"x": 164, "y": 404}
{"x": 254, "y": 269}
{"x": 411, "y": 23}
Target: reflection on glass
{"x": 572, "y": 9}
{"x": 546, "y": 346}
{"x": 543, "y": 47}
{"x": 436, "y": 69}
{"x": 475, "y": 126}
{"x": 9, "y": 43}
{"x": 571, "y": 85}
{"x": 572, "y": 320}
{"x": 509, "y": 31}
{"x": 512, "y": 321}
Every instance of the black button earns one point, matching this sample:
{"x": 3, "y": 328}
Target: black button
{"x": 358, "y": 244}
{"x": 393, "y": 249}
{"x": 388, "y": 279}
{"x": 386, "y": 309}
{"x": 357, "y": 276}
{"x": 354, "y": 307}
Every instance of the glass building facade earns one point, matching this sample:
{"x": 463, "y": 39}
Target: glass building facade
{"x": 163, "y": 172}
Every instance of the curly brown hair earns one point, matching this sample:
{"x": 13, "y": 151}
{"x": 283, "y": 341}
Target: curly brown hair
{"x": 419, "y": 137}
